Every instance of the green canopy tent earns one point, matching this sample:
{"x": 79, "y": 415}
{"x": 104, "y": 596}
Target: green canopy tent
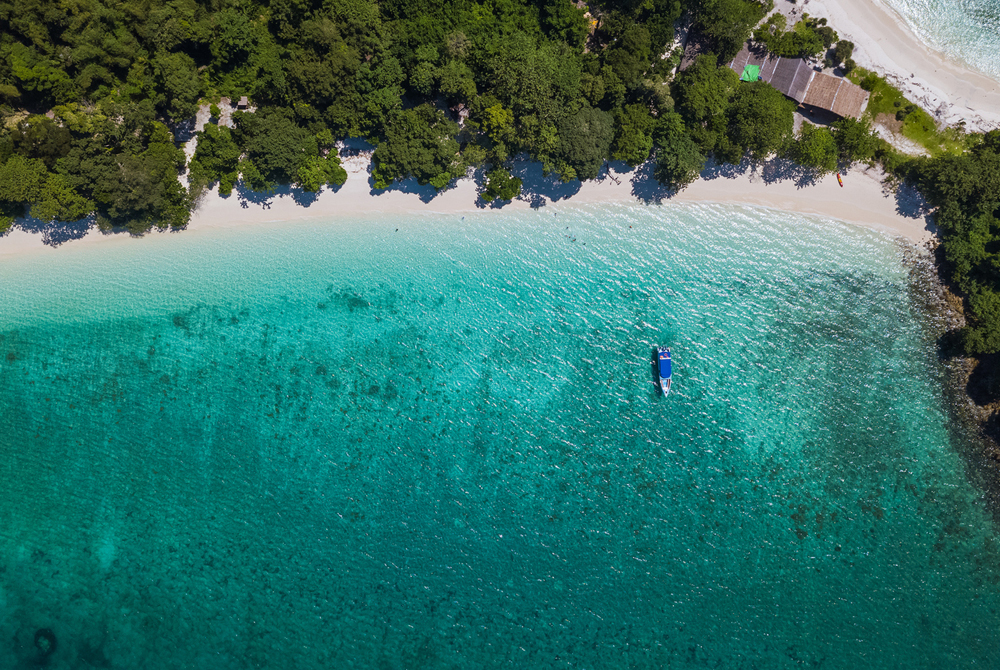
{"x": 750, "y": 73}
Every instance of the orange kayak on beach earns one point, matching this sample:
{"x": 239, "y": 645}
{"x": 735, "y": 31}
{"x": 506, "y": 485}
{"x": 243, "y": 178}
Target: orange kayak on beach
{"x": 840, "y": 181}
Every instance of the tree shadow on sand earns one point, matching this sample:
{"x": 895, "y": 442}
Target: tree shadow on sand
{"x": 354, "y": 146}
{"x": 537, "y": 188}
{"x": 424, "y": 192}
{"x": 183, "y": 131}
{"x": 911, "y": 203}
{"x": 55, "y": 233}
{"x": 771, "y": 171}
{"x": 264, "y": 199}
{"x": 646, "y": 188}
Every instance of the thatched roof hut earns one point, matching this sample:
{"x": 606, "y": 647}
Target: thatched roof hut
{"x": 795, "y": 79}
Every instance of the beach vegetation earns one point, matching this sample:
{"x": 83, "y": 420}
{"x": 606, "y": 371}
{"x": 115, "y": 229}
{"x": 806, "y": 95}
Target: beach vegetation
{"x": 216, "y": 159}
{"x": 814, "y": 148}
{"x": 277, "y": 145}
{"x": 856, "y": 140}
{"x": 760, "y": 121}
{"x": 420, "y": 143}
{"x": 728, "y": 23}
{"x": 702, "y": 94}
{"x": 500, "y": 185}
{"x": 842, "y": 53}
{"x": 679, "y": 158}
{"x": 808, "y": 37}
{"x": 318, "y": 171}
{"x": 965, "y": 190}
{"x": 915, "y": 124}
{"x": 21, "y": 181}
{"x": 40, "y": 137}
{"x": 584, "y": 142}
{"x": 633, "y": 135}
{"x": 251, "y": 177}
{"x": 542, "y": 80}
{"x": 59, "y": 201}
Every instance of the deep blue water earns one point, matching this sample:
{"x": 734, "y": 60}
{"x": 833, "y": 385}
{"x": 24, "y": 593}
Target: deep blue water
{"x": 428, "y": 442}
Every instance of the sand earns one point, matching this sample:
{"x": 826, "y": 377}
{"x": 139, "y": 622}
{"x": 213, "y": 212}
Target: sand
{"x": 862, "y": 201}
{"x": 883, "y": 42}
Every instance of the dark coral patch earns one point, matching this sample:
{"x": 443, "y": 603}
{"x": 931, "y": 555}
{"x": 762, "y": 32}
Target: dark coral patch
{"x": 45, "y": 642}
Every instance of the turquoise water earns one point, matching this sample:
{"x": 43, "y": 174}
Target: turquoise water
{"x": 967, "y": 30}
{"x": 429, "y": 442}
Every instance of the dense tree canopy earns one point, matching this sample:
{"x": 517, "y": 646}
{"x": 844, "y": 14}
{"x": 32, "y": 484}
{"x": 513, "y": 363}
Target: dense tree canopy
{"x": 856, "y": 141}
{"x": 703, "y": 93}
{"x": 419, "y": 143}
{"x": 679, "y": 159}
{"x": 540, "y": 78}
{"x": 633, "y": 135}
{"x": 760, "y": 120}
{"x": 809, "y": 37}
{"x": 216, "y": 158}
{"x": 815, "y": 148}
{"x": 584, "y": 140}
{"x": 729, "y": 22}
{"x": 966, "y": 190}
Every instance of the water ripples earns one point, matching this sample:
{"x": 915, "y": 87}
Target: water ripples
{"x": 445, "y": 447}
{"x": 968, "y": 30}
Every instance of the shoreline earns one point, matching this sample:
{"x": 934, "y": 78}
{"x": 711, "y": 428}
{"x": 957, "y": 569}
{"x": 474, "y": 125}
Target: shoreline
{"x": 950, "y": 90}
{"x": 863, "y": 201}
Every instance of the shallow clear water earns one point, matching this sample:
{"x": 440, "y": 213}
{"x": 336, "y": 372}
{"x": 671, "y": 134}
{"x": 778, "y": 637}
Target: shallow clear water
{"x": 968, "y": 30}
{"x": 429, "y": 442}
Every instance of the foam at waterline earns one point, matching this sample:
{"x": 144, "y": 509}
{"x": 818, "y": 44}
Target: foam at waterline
{"x": 968, "y": 31}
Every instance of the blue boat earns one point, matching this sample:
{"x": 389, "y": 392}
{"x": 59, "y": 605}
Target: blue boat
{"x": 664, "y": 369}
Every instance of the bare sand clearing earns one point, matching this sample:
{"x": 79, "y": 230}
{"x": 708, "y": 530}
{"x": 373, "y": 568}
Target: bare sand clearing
{"x": 862, "y": 201}
{"x": 884, "y": 43}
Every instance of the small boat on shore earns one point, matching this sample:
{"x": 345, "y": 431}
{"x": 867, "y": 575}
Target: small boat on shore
{"x": 663, "y": 367}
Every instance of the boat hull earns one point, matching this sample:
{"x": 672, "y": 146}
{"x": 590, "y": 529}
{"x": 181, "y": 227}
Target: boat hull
{"x": 664, "y": 368}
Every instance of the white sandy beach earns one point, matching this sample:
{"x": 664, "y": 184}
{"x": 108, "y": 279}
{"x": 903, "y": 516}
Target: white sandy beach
{"x": 884, "y": 43}
{"x": 861, "y": 201}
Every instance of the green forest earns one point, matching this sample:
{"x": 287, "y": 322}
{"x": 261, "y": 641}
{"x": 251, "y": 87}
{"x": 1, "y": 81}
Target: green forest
{"x": 93, "y": 92}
